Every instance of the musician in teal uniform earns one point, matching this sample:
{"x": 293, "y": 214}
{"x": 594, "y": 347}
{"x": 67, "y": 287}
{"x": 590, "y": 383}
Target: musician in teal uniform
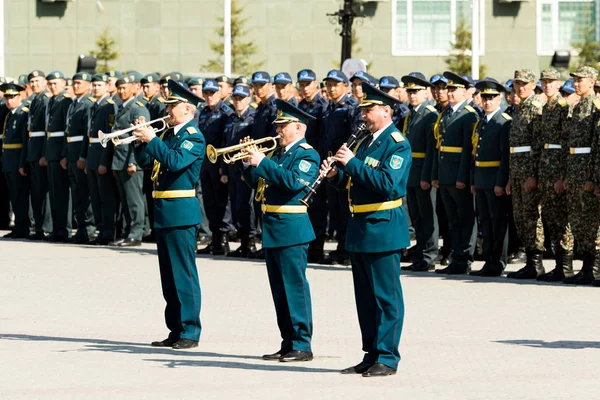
{"x": 14, "y": 155}
{"x": 177, "y": 157}
{"x": 281, "y": 180}
{"x": 376, "y": 177}
{"x": 451, "y": 172}
{"x": 489, "y": 176}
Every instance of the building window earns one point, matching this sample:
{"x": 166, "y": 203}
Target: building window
{"x": 426, "y": 27}
{"x": 560, "y": 23}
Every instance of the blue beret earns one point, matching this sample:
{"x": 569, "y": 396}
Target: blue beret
{"x": 388, "y": 82}
{"x": 261, "y": 77}
{"x": 306, "y": 75}
{"x": 282, "y": 77}
{"x": 241, "y": 90}
{"x": 336, "y": 75}
{"x": 210, "y": 85}
{"x": 289, "y": 113}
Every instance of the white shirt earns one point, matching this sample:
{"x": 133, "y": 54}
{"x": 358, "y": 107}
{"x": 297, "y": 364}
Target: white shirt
{"x": 377, "y": 133}
{"x": 454, "y": 108}
{"x": 128, "y": 101}
{"x": 289, "y": 146}
{"x": 491, "y": 115}
{"x": 417, "y": 108}
{"x": 177, "y": 127}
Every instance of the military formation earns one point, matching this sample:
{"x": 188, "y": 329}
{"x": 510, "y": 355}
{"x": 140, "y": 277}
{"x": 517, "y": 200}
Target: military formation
{"x": 505, "y": 172}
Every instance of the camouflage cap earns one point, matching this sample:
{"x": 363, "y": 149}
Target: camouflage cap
{"x": 524, "y": 75}
{"x": 550, "y": 74}
{"x": 585, "y": 72}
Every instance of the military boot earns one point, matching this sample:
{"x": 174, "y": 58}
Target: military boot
{"x": 208, "y": 249}
{"x": 247, "y": 246}
{"x": 529, "y": 271}
{"x": 563, "y": 268}
{"x": 221, "y": 247}
{"x": 586, "y": 275}
{"x": 315, "y": 250}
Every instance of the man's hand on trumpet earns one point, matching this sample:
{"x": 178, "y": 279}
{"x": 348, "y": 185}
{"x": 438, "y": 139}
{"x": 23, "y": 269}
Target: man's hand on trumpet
{"x": 254, "y": 157}
{"x": 144, "y": 133}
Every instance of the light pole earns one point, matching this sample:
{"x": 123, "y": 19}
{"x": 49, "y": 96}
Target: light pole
{"x": 345, "y": 17}
{"x": 227, "y": 38}
{"x": 475, "y": 39}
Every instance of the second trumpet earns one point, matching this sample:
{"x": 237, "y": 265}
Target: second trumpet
{"x": 234, "y": 153}
{"x": 114, "y": 136}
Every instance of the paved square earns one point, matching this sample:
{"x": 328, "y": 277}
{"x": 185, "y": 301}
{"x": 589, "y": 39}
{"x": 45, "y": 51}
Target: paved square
{"x": 76, "y": 321}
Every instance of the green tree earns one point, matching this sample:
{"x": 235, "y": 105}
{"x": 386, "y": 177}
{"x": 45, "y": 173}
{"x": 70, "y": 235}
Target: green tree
{"x": 241, "y": 51}
{"x": 459, "y": 60}
{"x": 105, "y": 51}
{"x": 588, "y": 48}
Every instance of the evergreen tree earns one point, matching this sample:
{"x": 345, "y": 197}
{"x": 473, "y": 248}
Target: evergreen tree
{"x": 588, "y": 48}
{"x": 459, "y": 60}
{"x": 105, "y": 51}
{"x": 241, "y": 51}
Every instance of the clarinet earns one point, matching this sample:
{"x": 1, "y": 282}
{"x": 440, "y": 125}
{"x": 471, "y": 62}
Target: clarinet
{"x": 355, "y": 138}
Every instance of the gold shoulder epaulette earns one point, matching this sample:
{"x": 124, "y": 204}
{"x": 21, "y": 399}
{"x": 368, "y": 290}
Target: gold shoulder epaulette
{"x": 139, "y": 103}
{"x": 92, "y": 99}
{"x": 562, "y": 102}
{"x": 470, "y": 109}
{"x": 397, "y": 136}
{"x": 254, "y": 105}
{"x": 305, "y": 146}
{"x": 431, "y": 108}
{"x": 25, "y": 109}
{"x": 67, "y": 95}
{"x": 48, "y": 94}
{"x": 597, "y": 103}
{"x": 110, "y": 101}
{"x": 160, "y": 99}
{"x": 191, "y": 130}
{"x": 146, "y": 99}
{"x": 507, "y": 117}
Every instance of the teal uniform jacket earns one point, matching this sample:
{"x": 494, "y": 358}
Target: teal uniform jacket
{"x": 379, "y": 173}
{"x": 180, "y": 157}
{"x": 124, "y": 154}
{"x": 491, "y": 145}
{"x": 101, "y": 118}
{"x": 37, "y": 124}
{"x": 15, "y": 135}
{"x": 286, "y": 177}
{"x": 56, "y": 121}
{"x": 454, "y": 131}
{"x": 77, "y": 126}
{"x": 418, "y": 128}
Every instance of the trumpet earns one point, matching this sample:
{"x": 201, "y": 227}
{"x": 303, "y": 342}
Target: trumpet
{"x": 212, "y": 153}
{"x": 114, "y": 136}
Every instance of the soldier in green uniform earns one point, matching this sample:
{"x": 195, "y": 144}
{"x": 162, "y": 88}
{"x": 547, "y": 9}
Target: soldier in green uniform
{"x": 451, "y": 172}
{"x": 130, "y": 175}
{"x": 281, "y": 181}
{"x": 195, "y": 85}
{"x": 489, "y": 176}
{"x": 113, "y": 77}
{"x": 138, "y": 91}
{"x": 104, "y": 194}
{"x": 552, "y": 128}
{"x": 164, "y": 87}
{"x": 76, "y": 131}
{"x": 581, "y": 173}
{"x": 421, "y": 197}
{"x": 226, "y": 86}
{"x": 37, "y": 168}
{"x": 58, "y": 177}
{"x": 177, "y": 157}
{"x": 376, "y": 177}
{"x": 14, "y": 167}
{"x": 525, "y": 149}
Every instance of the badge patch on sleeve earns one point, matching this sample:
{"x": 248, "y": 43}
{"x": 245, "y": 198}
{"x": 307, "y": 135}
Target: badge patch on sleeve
{"x": 304, "y": 166}
{"x": 396, "y": 162}
{"x": 187, "y": 145}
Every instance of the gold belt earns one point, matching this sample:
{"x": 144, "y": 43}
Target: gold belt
{"x": 485, "y": 164}
{"x": 12, "y": 146}
{"x": 418, "y": 155}
{"x": 266, "y": 208}
{"x": 386, "y": 205}
{"x": 173, "y": 194}
{"x": 450, "y": 149}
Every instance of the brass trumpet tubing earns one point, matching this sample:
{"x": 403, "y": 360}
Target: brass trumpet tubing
{"x": 114, "y": 136}
{"x": 212, "y": 153}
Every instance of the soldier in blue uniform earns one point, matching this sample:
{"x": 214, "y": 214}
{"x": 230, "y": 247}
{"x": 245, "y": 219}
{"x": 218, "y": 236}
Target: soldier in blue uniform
{"x": 451, "y": 172}
{"x": 356, "y": 81}
{"x": 76, "y": 130}
{"x": 421, "y": 197}
{"x": 177, "y": 157}
{"x": 211, "y": 121}
{"x": 316, "y": 105}
{"x": 391, "y": 86}
{"x": 489, "y": 176}
{"x": 376, "y": 176}
{"x": 281, "y": 181}
{"x": 266, "y": 110}
{"x": 129, "y": 174}
{"x": 241, "y": 196}
{"x": 284, "y": 87}
{"x": 338, "y": 120}
{"x": 37, "y": 169}
{"x": 104, "y": 195}
{"x": 58, "y": 177}
{"x": 14, "y": 167}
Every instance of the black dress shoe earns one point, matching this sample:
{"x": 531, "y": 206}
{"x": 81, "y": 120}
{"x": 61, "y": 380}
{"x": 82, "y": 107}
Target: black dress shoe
{"x": 359, "y": 368}
{"x": 185, "y": 344}
{"x": 9, "y": 235}
{"x": 421, "y": 266}
{"x": 489, "y": 269}
{"x": 296, "y": 355}
{"x": 130, "y": 242}
{"x": 379, "y": 369}
{"x": 454, "y": 269}
{"x": 116, "y": 242}
{"x": 274, "y": 356}
{"x": 37, "y": 236}
{"x": 527, "y": 272}
{"x": 406, "y": 268}
{"x": 168, "y": 342}
{"x": 79, "y": 240}
{"x": 17, "y": 235}
{"x": 101, "y": 241}
{"x": 57, "y": 239}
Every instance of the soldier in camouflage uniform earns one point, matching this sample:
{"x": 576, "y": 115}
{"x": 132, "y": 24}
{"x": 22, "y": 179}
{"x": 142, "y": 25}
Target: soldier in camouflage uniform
{"x": 551, "y": 130}
{"x": 525, "y": 149}
{"x": 583, "y": 205}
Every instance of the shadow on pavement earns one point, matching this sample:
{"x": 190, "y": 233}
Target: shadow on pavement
{"x": 272, "y": 366}
{"x": 559, "y": 344}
